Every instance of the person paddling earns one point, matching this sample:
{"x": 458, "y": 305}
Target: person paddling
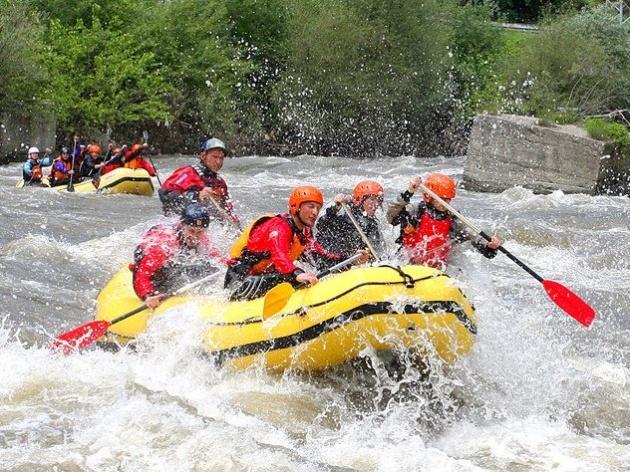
{"x": 93, "y": 162}
{"x": 61, "y": 169}
{"x": 200, "y": 183}
{"x": 172, "y": 255}
{"x": 32, "y": 170}
{"x": 134, "y": 158}
{"x": 265, "y": 253}
{"x": 427, "y": 230}
{"x": 335, "y": 230}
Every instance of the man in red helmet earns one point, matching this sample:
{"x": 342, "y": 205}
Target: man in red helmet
{"x": 200, "y": 183}
{"x": 335, "y": 230}
{"x": 427, "y": 230}
{"x": 265, "y": 253}
{"x": 92, "y": 162}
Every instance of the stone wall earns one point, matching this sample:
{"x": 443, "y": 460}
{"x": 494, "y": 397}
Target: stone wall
{"x": 508, "y": 150}
{"x": 17, "y": 134}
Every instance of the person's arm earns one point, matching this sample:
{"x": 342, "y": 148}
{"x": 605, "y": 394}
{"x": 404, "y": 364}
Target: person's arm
{"x": 48, "y": 158}
{"x": 397, "y": 212}
{"x": 461, "y": 233}
{"x": 180, "y": 189}
{"x": 116, "y": 158}
{"x": 28, "y": 168}
{"x": 153, "y": 258}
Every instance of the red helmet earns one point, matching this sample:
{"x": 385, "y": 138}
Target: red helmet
{"x": 367, "y": 188}
{"x": 93, "y": 149}
{"x": 136, "y": 147}
{"x": 116, "y": 151}
{"x": 303, "y": 194}
{"x": 441, "y": 184}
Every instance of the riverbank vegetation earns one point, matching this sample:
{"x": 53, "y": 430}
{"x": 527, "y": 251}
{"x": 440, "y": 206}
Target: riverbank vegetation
{"x": 318, "y": 76}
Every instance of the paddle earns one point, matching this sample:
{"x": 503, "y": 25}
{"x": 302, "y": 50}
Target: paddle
{"x": 87, "y": 333}
{"x": 360, "y": 231}
{"x": 145, "y": 137}
{"x": 224, "y": 214}
{"x": 278, "y": 296}
{"x": 568, "y": 301}
{"x": 70, "y": 187}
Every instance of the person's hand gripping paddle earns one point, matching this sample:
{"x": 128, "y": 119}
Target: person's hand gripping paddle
{"x": 86, "y": 334}
{"x": 564, "y": 298}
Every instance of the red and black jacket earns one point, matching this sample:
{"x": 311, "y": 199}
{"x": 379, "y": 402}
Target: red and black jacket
{"x": 163, "y": 262}
{"x": 182, "y": 187}
{"x": 271, "y": 248}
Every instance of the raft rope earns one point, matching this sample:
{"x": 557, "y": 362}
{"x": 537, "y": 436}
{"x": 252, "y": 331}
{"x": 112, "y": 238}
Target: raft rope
{"x": 329, "y": 325}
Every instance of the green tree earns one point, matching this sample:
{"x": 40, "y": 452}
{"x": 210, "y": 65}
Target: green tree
{"x": 577, "y": 63}
{"x": 364, "y": 76}
{"x": 112, "y": 14}
{"x": 259, "y": 28}
{"x": 103, "y": 78}
{"x": 192, "y": 45}
{"x": 22, "y": 73}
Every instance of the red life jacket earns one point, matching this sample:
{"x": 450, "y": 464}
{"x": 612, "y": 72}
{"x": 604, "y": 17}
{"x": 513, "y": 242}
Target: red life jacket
{"x": 162, "y": 261}
{"x": 429, "y": 243}
{"x": 110, "y": 167}
{"x": 196, "y": 177}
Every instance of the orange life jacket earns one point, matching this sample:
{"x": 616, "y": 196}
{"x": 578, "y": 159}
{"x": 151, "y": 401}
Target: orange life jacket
{"x": 134, "y": 163}
{"x": 240, "y": 245}
{"x": 55, "y": 174}
{"x": 36, "y": 173}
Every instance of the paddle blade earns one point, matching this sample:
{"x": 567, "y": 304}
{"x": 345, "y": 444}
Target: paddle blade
{"x": 568, "y": 301}
{"x": 80, "y": 337}
{"x": 276, "y": 298}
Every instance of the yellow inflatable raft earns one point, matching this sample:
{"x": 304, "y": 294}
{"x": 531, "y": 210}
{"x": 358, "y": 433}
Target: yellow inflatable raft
{"x": 121, "y": 180}
{"x": 414, "y": 308}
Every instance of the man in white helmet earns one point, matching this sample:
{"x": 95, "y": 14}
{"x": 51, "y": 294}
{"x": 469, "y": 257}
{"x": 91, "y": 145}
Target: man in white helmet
{"x": 200, "y": 183}
{"x": 32, "y": 169}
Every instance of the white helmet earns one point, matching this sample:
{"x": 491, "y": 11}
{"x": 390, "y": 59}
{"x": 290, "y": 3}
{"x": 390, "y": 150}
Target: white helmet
{"x": 33, "y": 150}
{"x": 213, "y": 143}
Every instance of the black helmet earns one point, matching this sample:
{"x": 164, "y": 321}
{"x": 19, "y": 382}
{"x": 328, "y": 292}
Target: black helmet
{"x": 197, "y": 215}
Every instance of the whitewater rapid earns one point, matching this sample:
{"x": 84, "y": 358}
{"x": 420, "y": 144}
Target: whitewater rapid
{"x": 538, "y": 391}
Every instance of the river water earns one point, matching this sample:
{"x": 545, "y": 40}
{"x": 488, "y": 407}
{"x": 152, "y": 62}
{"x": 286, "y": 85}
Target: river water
{"x": 538, "y": 392}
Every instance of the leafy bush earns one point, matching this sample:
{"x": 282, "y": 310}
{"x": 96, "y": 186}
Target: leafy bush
{"x": 205, "y": 71}
{"x": 476, "y": 46}
{"x": 608, "y": 131}
{"x": 364, "y": 76}
{"x": 576, "y": 64}
{"x": 102, "y": 78}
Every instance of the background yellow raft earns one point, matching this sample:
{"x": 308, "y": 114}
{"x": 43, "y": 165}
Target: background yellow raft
{"x": 121, "y": 180}
{"x": 383, "y": 308}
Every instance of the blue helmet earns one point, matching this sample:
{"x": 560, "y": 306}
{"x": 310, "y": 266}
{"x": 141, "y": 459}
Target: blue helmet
{"x": 213, "y": 143}
{"x": 196, "y": 215}
{"x": 65, "y": 150}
